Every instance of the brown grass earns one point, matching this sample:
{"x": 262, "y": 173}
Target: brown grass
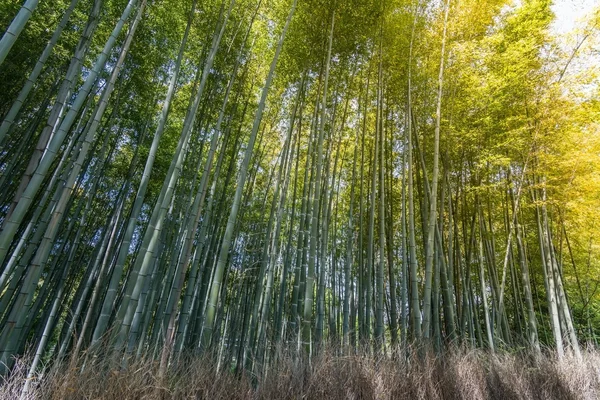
{"x": 458, "y": 374}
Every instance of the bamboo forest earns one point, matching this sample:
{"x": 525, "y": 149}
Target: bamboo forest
{"x": 299, "y": 199}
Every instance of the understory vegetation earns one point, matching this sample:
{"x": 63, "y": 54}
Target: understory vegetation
{"x": 459, "y": 374}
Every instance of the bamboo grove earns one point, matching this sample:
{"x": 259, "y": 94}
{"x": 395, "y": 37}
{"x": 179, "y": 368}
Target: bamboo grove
{"x": 245, "y": 176}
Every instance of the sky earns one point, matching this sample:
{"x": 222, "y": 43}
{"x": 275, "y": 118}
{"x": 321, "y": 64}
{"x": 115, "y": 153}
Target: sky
{"x": 569, "y": 11}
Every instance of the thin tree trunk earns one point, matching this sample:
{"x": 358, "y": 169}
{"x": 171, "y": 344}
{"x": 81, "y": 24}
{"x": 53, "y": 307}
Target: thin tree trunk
{"x": 207, "y": 329}
{"x": 16, "y": 27}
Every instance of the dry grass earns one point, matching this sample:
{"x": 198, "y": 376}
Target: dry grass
{"x": 458, "y": 374}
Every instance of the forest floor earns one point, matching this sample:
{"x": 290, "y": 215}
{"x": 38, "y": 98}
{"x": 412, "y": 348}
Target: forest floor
{"x": 456, "y": 375}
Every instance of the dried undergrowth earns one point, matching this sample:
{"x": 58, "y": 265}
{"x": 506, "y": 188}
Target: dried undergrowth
{"x": 408, "y": 374}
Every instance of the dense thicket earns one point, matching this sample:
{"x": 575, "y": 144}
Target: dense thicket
{"x": 236, "y": 177}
